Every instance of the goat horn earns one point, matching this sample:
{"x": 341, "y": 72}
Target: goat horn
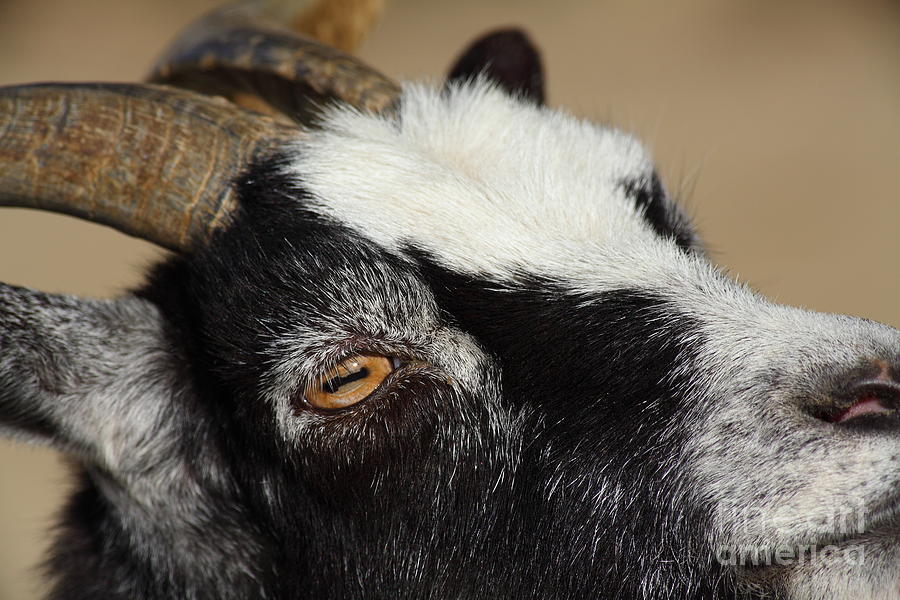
{"x": 249, "y": 54}
{"x": 341, "y": 24}
{"x": 150, "y": 161}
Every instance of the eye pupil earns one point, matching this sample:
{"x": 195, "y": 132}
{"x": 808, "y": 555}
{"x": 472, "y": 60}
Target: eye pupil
{"x": 336, "y": 383}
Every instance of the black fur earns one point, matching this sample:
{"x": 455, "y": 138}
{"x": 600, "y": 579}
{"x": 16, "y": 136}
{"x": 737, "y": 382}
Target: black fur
{"x": 597, "y": 375}
{"x": 660, "y": 212}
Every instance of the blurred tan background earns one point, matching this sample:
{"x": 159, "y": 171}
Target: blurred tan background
{"x": 778, "y": 122}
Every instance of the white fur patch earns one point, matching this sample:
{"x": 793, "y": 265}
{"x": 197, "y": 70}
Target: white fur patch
{"x": 488, "y": 184}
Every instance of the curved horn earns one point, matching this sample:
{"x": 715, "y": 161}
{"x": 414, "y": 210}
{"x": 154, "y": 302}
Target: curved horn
{"x": 244, "y": 53}
{"x": 150, "y": 161}
{"x": 341, "y": 24}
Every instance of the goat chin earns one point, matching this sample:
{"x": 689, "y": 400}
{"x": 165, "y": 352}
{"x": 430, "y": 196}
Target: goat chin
{"x": 864, "y": 569}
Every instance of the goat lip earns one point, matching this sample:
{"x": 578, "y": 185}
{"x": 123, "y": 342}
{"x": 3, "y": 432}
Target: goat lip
{"x": 868, "y": 401}
{"x": 869, "y": 405}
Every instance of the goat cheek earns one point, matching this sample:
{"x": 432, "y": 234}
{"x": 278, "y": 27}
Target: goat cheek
{"x": 380, "y": 438}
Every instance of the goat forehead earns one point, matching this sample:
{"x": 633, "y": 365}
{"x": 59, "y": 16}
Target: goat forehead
{"x": 483, "y": 182}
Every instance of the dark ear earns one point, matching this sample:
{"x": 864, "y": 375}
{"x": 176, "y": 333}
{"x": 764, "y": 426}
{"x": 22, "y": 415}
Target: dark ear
{"x": 94, "y": 378}
{"x": 507, "y": 57}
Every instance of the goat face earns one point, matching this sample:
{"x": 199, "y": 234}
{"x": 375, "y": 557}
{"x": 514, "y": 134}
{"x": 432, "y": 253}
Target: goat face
{"x": 562, "y": 397}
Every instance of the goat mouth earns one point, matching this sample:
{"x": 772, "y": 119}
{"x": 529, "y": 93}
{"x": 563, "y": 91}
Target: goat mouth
{"x": 869, "y": 405}
{"x": 870, "y": 401}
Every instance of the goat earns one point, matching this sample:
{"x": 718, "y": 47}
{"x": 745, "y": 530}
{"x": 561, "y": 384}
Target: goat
{"x": 422, "y": 342}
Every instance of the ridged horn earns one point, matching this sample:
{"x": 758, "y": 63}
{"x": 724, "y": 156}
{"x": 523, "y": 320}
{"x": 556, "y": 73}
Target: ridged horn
{"x": 252, "y": 54}
{"x": 150, "y": 161}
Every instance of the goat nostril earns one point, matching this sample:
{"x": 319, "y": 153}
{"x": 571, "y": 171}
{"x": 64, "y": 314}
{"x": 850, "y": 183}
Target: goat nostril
{"x": 867, "y": 397}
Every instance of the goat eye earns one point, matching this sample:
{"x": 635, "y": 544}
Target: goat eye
{"x": 349, "y": 383}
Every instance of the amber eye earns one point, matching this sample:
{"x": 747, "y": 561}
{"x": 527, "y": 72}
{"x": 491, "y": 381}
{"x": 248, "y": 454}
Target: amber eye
{"x": 352, "y": 381}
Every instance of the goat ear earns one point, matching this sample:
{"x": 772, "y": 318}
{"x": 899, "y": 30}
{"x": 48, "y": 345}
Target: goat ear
{"x": 507, "y": 57}
{"x": 88, "y": 377}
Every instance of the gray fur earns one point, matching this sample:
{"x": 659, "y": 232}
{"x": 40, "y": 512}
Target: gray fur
{"x": 105, "y": 380}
